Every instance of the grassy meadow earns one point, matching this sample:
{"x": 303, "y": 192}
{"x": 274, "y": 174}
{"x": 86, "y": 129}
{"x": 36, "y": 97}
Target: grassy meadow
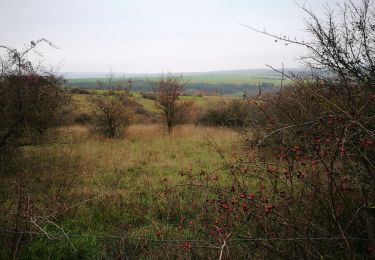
{"x": 275, "y": 163}
{"x": 82, "y": 101}
{"x": 198, "y": 193}
{"x": 90, "y": 197}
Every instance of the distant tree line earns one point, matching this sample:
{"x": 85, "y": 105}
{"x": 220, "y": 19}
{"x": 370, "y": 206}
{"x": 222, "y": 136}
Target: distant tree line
{"x": 196, "y": 87}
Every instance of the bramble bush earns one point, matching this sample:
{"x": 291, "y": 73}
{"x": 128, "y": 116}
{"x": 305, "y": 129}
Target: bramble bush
{"x": 303, "y": 187}
{"x": 32, "y": 100}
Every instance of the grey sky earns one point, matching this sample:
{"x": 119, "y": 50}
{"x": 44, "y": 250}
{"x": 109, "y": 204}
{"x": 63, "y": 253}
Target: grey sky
{"x": 156, "y": 35}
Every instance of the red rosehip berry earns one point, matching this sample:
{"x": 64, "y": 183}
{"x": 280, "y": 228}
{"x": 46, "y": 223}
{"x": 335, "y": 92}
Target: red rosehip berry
{"x": 269, "y": 208}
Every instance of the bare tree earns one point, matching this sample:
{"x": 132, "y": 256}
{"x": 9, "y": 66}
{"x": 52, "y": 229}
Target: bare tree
{"x": 167, "y": 92}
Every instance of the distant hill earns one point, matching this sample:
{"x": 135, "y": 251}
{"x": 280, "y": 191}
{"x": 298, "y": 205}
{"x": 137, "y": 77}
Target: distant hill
{"x": 248, "y": 72}
{"x": 226, "y": 82}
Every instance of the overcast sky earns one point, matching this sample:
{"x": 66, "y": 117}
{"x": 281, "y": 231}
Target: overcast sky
{"x": 156, "y": 35}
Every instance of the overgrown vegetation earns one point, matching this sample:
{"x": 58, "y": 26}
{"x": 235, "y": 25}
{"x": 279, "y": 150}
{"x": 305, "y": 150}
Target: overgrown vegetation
{"x": 304, "y": 189}
{"x": 299, "y": 185}
{"x": 235, "y": 114}
{"x": 108, "y": 196}
{"x": 31, "y": 100}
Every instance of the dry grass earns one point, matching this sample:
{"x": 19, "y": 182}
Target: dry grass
{"x": 83, "y": 103}
{"x": 150, "y": 150}
{"x": 92, "y": 185}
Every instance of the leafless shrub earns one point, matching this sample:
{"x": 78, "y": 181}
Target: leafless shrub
{"x": 148, "y": 95}
{"x": 31, "y": 100}
{"x": 304, "y": 187}
{"x": 324, "y": 127}
{"x": 113, "y": 110}
{"x": 235, "y": 114}
{"x": 112, "y": 115}
{"x": 322, "y": 133}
